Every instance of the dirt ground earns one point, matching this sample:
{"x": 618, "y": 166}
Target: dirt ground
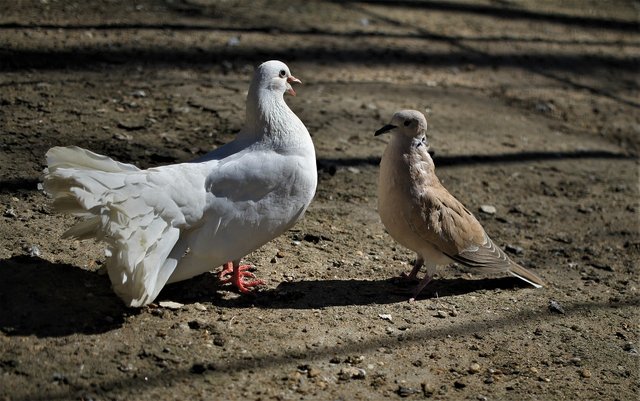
{"x": 533, "y": 108}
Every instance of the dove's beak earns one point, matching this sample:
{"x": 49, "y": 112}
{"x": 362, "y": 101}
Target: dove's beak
{"x": 385, "y": 129}
{"x": 290, "y": 80}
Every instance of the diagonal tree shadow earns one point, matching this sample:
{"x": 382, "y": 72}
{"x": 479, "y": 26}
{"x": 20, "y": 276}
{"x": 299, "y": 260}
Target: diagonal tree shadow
{"x": 511, "y": 13}
{"x": 278, "y": 357}
{"x": 325, "y": 164}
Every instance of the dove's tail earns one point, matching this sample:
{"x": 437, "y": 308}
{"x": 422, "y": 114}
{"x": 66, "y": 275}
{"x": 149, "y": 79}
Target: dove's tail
{"x": 110, "y": 199}
{"x": 526, "y": 275}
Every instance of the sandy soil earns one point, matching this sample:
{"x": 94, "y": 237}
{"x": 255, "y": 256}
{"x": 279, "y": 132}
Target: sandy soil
{"x": 532, "y": 109}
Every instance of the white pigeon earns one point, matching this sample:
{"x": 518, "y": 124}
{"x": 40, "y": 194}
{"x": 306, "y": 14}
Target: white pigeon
{"x": 423, "y": 216}
{"x": 171, "y": 223}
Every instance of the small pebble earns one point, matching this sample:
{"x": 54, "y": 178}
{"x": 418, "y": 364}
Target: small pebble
{"x": 441, "y": 314}
{"x": 199, "y": 306}
{"x": 555, "y": 307}
{"x": 585, "y": 373}
{"x": 351, "y": 372}
{"x": 10, "y": 212}
{"x": 171, "y": 305}
{"x": 474, "y": 368}
{"x": 428, "y": 389}
{"x": 488, "y": 209}
{"x": 139, "y": 93}
{"x": 514, "y": 249}
{"x": 406, "y": 391}
{"x": 385, "y": 316}
{"x": 32, "y": 250}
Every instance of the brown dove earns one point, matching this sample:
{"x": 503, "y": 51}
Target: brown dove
{"x": 422, "y": 215}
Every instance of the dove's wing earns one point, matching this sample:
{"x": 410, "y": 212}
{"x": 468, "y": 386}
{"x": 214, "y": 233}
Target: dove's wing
{"x": 439, "y": 218}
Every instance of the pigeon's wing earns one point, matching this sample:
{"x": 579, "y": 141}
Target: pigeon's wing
{"x": 140, "y": 214}
{"x": 252, "y": 188}
{"x": 252, "y": 197}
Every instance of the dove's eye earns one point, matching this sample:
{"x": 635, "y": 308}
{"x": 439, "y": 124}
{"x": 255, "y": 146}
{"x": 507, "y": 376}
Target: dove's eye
{"x": 283, "y": 73}
{"x": 407, "y": 123}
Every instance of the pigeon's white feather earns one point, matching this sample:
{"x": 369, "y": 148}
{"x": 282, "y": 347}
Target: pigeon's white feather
{"x": 170, "y": 223}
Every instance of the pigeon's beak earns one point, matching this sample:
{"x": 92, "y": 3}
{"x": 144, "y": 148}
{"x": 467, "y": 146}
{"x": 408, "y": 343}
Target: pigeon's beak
{"x": 290, "y": 80}
{"x": 385, "y": 129}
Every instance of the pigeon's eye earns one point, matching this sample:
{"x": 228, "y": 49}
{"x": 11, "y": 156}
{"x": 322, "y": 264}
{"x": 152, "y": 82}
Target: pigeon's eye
{"x": 283, "y": 73}
{"x": 407, "y": 123}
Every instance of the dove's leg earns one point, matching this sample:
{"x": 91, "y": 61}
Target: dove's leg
{"x": 237, "y": 272}
{"x": 413, "y": 276}
{"x": 431, "y": 271}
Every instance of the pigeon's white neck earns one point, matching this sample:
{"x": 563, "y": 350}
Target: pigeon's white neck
{"x": 268, "y": 116}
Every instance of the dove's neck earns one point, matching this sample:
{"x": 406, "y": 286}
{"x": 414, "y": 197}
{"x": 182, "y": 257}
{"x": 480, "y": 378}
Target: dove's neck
{"x": 411, "y": 154}
{"x": 269, "y": 119}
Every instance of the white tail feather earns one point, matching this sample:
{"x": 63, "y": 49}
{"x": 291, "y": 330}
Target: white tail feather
{"x": 106, "y": 194}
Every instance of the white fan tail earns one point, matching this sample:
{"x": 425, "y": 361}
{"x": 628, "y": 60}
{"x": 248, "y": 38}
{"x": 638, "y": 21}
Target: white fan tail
{"x": 112, "y": 200}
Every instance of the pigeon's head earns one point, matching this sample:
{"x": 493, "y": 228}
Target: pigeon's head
{"x": 410, "y": 123}
{"x": 274, "y": 75}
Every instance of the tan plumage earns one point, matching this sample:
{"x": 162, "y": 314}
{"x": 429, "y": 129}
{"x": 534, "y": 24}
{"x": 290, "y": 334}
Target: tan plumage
{"x": 423, "y": 216}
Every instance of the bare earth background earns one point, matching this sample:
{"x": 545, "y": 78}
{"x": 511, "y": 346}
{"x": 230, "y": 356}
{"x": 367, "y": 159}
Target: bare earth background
{"x": 533, "y": 108}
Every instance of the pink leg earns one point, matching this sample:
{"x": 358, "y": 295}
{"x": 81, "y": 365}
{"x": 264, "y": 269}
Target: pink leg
{"x": 420, "y": 287}
{"x": 413, "y": 276}
{"x": 237, "y": 272}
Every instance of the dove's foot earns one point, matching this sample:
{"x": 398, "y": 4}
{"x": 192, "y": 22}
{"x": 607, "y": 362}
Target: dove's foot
{"x": 413, "y": 276}
{"x": 237, "y": 274}
{"x": 420, "y": 287}
{"x": 409, "y": 276}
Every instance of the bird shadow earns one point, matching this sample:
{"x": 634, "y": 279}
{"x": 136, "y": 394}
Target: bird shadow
{"x": 317, "y": 294}
{"x": 46, "y": 299}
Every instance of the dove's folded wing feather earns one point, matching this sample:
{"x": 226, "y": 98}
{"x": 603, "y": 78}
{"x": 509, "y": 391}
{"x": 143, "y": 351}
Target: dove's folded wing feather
{"x": 439, "y": 218}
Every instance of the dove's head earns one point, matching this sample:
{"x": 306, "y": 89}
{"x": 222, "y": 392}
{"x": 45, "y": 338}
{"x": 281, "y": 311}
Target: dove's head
{"x": 274, "y": 75}
{"x": 410, "y": 123}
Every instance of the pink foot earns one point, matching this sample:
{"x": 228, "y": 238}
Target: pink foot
{"x": 408, "y": 276}
{"x": 237, "y": 273}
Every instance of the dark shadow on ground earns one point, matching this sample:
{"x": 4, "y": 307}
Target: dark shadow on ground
{"x": 504, "y": 321}
{"x": 318, "y": 294}
{"x": 330, "y": 164}
{"x": 47, "y": 299}
{"x": 14, "y": 185}
{"x": 87, "y": 58}
{"x": 269, "y": 30}
{"x": 505, "y": 12}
